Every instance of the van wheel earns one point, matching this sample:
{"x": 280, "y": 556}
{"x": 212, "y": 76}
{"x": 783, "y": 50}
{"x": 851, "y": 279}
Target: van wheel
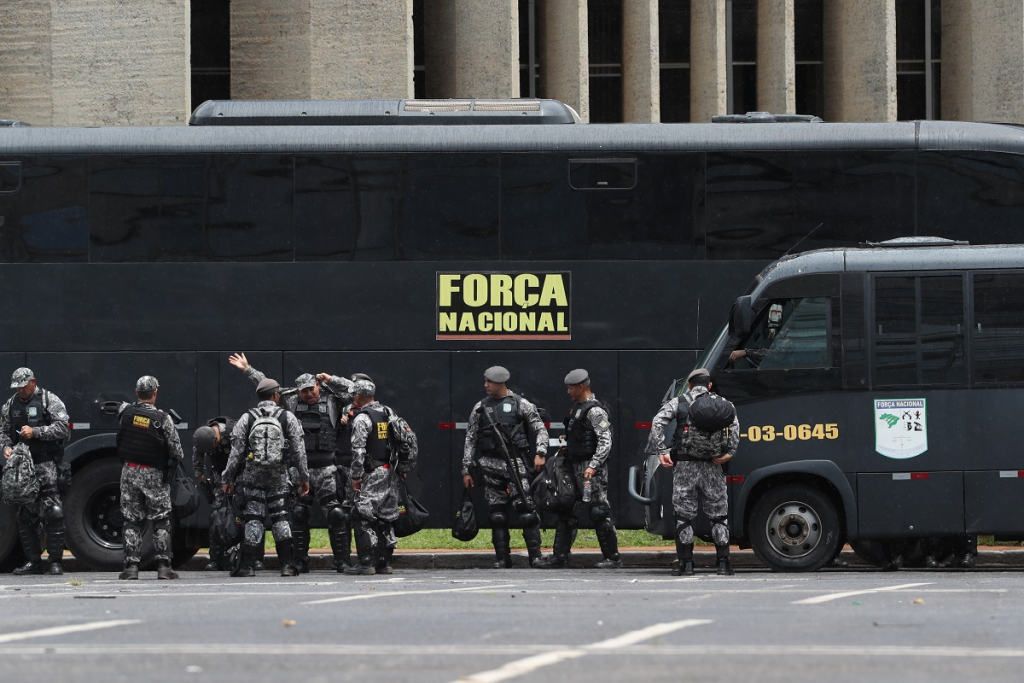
{"x": 93, "y": 521}
{"x": 11, "y": 554}
{"x": 794, "y": 528}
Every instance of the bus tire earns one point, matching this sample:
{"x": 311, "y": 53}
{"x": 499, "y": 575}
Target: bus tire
{"x": 93, "y": 521}
{"x": 794, "y": 528}
{"x": 11, "y": 554}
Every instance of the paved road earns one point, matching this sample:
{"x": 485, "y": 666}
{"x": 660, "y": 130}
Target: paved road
{"x": 526, "y": 625}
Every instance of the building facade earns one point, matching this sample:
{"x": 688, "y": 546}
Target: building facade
{"x": 123, "y": 62}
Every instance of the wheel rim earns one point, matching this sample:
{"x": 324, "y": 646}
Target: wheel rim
{"x": 793, "y": 529}
{"x": 103, "y": 520}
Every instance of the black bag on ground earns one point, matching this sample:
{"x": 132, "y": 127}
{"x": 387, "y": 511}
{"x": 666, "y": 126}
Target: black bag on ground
{"x": 711, "y": 413}
{"x": 554, "y": 490}
{"x": 466, "y": 527}
{"x": 225, "y": 530}
{"x": 411, "y": 515}
{"x": 184, "y": 494}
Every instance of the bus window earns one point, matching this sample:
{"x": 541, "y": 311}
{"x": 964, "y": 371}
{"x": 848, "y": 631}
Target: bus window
{"x": 919, "y": 330}
{"x": 789, "y": 334}
{"x": 997, "y": 343}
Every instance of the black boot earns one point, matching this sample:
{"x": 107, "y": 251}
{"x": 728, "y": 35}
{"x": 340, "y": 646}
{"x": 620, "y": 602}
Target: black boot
{"x": 500, "y": 538}
{"x": 55, "y": 546}
{"x": 341, "y": 545}
{"x": 218, "y": 559}
{"x": 30, "y": 544}
{"x": 559, "y": 558}
{"x": 286, "y": 557}
{"x": 683, "y": 566}
{"x": 257, "y": 562}
{"x": 609, "y": 542}
{"x": 246, "y": 562}
{"x": 384, "y": 563}
{"x": 164, "y": 570}
{"x": 531, "y": 535}
{"x": 300, "y": 538}
{"x": 365, "y": 551}
{"x": 724, "y": 568}
{"x": 130, "y": 573}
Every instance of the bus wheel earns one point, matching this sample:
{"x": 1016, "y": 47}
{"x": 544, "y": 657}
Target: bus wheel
{"x": 10, "y": 545}
{"x": 794, "y": 528}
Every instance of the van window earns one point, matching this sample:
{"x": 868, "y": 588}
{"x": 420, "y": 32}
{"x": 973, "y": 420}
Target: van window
{"x": 997, "y": 337}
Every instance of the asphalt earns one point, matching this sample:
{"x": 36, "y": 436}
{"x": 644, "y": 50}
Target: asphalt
{"x": 486, "y": 626}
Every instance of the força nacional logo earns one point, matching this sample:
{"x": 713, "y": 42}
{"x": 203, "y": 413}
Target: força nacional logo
{"x": 504, "y": 305}
{"x": 901, "y": 427}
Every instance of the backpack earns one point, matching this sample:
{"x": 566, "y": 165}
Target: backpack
{"x": 708, "y": 421}
{"x": 401, "y": 439}
{"x": 266, "y": 438}
{"x": 19, "y": 485}
{"x": 554, "y": 489}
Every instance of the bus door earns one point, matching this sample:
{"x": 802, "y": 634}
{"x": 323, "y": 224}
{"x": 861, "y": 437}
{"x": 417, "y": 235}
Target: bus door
{"x": 910, "y": 474}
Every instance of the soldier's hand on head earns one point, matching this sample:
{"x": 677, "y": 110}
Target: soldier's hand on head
{"x": 324, "y": 377}
{"x": 305, "y": 488}
{"x": 467, "y": 481}
{"x": 26, "y": 432}
{"x": 666, "y": 460}
{"x": 538, "y": 462}
{"x": 239, "y": 361}
{"x": 589, "y": 474}
{"x": 722, "y": 459}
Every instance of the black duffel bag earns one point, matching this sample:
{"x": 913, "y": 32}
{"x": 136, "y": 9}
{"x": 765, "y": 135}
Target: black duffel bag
{"x": 225, "y": 529}
{"x": 411, "y": 515}
{"x": 184, "y": 494}
{"x": 711, "y": 413}
{"x": 466, "y": 527}
{"x": 554, "y": 489}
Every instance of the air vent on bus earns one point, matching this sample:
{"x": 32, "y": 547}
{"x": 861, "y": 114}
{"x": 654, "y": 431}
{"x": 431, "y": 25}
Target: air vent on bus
{"x": 765, "y": 117}
{"x": 922, "y": 241}
{"x": 382, "y": 112}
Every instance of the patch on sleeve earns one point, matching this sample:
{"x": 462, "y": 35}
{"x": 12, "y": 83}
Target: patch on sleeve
{"x": 603, "y": 424}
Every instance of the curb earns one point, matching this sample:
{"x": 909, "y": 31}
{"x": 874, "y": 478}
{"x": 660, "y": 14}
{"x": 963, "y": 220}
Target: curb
{"x": 579, "y": 559}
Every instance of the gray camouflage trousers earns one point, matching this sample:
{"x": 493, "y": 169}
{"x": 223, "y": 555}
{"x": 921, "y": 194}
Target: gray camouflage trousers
{"x": 376, "y": 505}
{"x": 33, "y": 515}
{"x": 144, "y": 495}
{"x": 598, "y": 484}
{"x": 268, "y": 496}
{"x": 498, "y": 486}
{"x": 690, "y": 478}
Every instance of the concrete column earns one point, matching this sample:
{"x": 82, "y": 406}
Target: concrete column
{"x": 270, "y": 50}
{"x": 96, "y": 62}
{"x": 472, "y": 48}
{"x": 565, "y": 55}
{"x": 983, "y": 60}
{"x": 776, "y": 57}
{"x": 860, "y": 60}
{"x": 709, "y": 94}
{"x": 641, "y": 75}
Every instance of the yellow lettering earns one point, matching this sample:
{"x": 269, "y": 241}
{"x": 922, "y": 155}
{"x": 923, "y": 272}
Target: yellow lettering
{"x": 382, "y": 430}
{"x": 527, "y": 322}
{"x": 466, "y": 325}
{"x": 546, "y": 324}
{"x": 509, "y": 321}
{"x": 562, "y": 327}
{"x": 501, "y": 290}
{"x": 447, "y": 322}
{"x": 553, "y": 291}
{"x": 141, "y": 422}
{"x": 448, "y": 284}
{"x": 474, "y": 291}
{"x": 485, "y": 322}
{"x": 522, "y": 296}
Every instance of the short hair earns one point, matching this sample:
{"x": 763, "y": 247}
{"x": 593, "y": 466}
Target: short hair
{"x": 145, "y": 395}
{"x": 701, "y": 381}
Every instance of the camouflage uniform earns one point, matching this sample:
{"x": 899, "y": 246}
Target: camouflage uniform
{"x": 218, "y": 499}
{"x": 264, "y": 489}
{"x": 499, "y": 489}
{"x": 375, "y": 504}
{"x": 323, "y": 484}
{"x": 146, "y": 491}
{"x": 48, "y": 507}
{"x": 691, "y": 476}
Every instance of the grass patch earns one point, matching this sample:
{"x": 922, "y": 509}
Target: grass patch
{"x": 441, "y": 539}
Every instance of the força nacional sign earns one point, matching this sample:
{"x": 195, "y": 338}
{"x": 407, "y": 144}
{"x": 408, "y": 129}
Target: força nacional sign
{"x": 504, "y": 305}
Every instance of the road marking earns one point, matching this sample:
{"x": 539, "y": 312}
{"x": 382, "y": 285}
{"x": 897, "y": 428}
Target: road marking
{"x": 524, "y": 666}
{"x": 388, "y": 594}
{"x": 839, "y": 596}
{"x": 62, "y": 630}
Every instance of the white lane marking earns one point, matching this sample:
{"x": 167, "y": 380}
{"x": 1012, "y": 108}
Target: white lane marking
{"x": 62, "y": 630}
{"x": 388, "y": 594}
{"x": 524, "y": 666}
{"x": 839, "y": 596}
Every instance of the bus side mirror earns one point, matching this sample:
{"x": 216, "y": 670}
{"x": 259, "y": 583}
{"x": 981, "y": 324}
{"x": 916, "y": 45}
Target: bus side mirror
{"x": 741, "y": 317}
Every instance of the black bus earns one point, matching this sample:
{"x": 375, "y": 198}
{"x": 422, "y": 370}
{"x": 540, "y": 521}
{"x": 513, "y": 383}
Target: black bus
{"x": 878, "y": 388}
{"x": 421, "y": 253}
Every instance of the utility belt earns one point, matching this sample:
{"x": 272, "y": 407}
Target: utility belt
{"x": 345, "y": 460}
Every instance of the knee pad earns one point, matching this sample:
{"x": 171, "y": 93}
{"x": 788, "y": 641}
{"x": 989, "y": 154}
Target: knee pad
{"x": 599, "y": 515}
{"x": 300, "y": 513}
{"x": 499, "y": 517}
{"x": 54, "y": 513}
{"x": 336, "y": 516}
{"x": 529, "y": 520}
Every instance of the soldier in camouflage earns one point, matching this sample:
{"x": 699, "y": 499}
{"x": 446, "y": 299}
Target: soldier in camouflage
{"x": 515, "y": 417}
{"x": 264, "y": 487}
{"x": 375, "y": 483}
{"x": 37, "y": 418}
{"x": 319, "y": 414}
{"x": 692, "y": 475}
{"x": 149, "y": 449}
{"x": 212, "y": 442}
{"x": 588, "y": 443}
{"x": 343, "y": 473}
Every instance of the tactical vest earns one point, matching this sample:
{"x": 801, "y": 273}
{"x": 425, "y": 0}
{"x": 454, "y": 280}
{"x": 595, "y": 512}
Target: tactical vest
{"x": 682, "y": 409}
{"x": 219, "y": 458}
{"x": 506, "y": 414}
{"x": 32, "y": 414}
{"x": 343, "y": 450}
{"x": 141, "y": 438}
{"x": 580, "y": 436}
{"x": 319, "y": 435}
{"x": 377, "y": 451}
